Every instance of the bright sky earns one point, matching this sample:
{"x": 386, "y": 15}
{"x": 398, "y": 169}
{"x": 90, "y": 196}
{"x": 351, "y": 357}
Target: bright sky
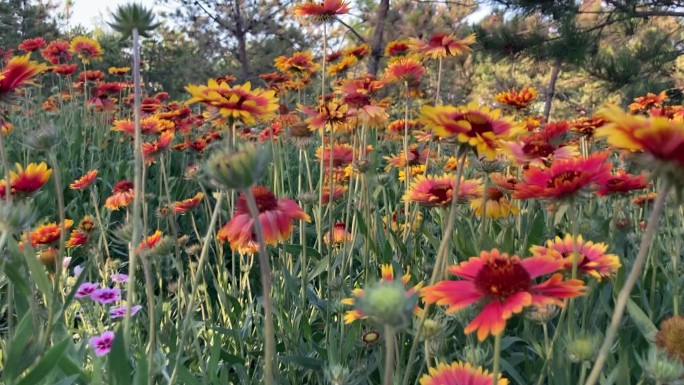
{"x": 92, "y": 13}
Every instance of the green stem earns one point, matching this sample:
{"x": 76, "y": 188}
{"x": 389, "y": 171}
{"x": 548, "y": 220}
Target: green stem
{"x": 137, "y": 188}
{"x": 497, "y": 357}
{"x": 389, "y": 356}
{"x": 441, "y": 256}
{"x": 269, "y": 331}
{"x": 187, "y": 320}
{"x": 634, "y": 275}
{"x": 483, "y": 221}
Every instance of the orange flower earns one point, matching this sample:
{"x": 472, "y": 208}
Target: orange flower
{"x": 151, "y": 241}
{"x": 459, "y": 373}
{"x": 327, "y": 115}
{"x": 442, "y": 45}
{"x": 337, "y": 193}
{"x": 506, "y": 285}
{"x": 476, "y": 126}
{"x": 186, "y": 205}
{"x": 78, "y": 238}
{"x": 150, "y": 150}
{"x": 434, "y": 191}
{"x": 300, "y": 63}
{"x": 65, "y": 69}
{"x": 564, "y": 178}
{"x": 57, "y": 52}
{"x": 276, "y": 217}
{"x": 644, "y": 103}
{"x": 414, "y": 158}
{"x": 85, "y": 181}
{"x": 31, "y": 45}
{"x": 86, "y": 49}
{"x": 537, "y": 148}
{"x": 404, "y": 70}
{"x": 122, "y": 195}
{"x": 592, "y": 258}
{"x": 587, "y": 125}
{"x": 48, "y": 233}
{"x": 519, "y": 100}
{"x": 17, "y": 73}
{"x": 91, "y": 76}
{"x": 30, "y": 179}
{"x": 148, "y": 125}
{"x": 338, "y": 235}
{"x": 322, "y": 11}
{"x": 347, "y": 62}
{"x": 497, "y": 206}
{"x": 358, "y": 52}
{"x": 5, "y": 127}
{"x": 238, "y": 103}
{"x": 643, "y": 199}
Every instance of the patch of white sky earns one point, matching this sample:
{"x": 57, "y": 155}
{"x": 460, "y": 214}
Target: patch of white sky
{"x": 93, "y": 14}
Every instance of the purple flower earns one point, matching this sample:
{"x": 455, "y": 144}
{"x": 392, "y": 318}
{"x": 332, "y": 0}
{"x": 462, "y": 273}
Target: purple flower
{"x": 78, "y": 270}
{"x": 102, "y": 344}
{"x": 86, "y": 289}
{"x": 120, "y": 311}
{"x": 119, "y": 278}
{"x": 106, "y": 295}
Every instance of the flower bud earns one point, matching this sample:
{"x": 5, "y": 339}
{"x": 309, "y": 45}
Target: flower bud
{"x": 474, "y": 355}
{"x": 43, "y": 139}
{"x": 663, "y": 369}
{"x": 388, "y": 302}
{"x": 542, "y": 314}
{"x": 239, "y": 169}
{"x": 431, "y": 328}
{"x": 16, "y": 217}
{"x": 337, "y": 374}
{"x": 582, "y": 348}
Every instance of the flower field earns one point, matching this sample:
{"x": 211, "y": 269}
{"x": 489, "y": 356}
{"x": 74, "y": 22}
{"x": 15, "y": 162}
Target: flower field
{"x": 319, "y": 224}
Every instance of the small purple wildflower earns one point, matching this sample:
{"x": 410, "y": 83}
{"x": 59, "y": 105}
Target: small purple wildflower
{"x": 120, "y": 311}
{"x": 86, "y": 289}
{"x": 106, "y": 295}
{"x": 102, "y": 344}
{"x": 78, "y": 270}
{"x": 119, "y": 278}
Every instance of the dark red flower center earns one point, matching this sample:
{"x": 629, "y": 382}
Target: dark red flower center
{"x": 501, "y": 278}
{"x": 357, "y": 100}
{"x": 538, "y": 149}
{"x": 479, "y": 123}
{"x": 265, "y": 200}
{"x": 494, "y": 194}
{"x": 122, "y": 186}
{"x": 441, "y": 192}
{"x": 565, "y": 176}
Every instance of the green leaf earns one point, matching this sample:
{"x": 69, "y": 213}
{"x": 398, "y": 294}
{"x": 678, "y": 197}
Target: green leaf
{"x": 68, "y": 380}
{"x": 46, "y": 364}
{"x": 21, "y": 351}
{"x": 642, "y": 322}
{"x": 119, "y": 367}
{"x": 39, "y": 275}
{"x": 303, "y": 361}
{"x": 186, "y": 377}
{"x": 141, "y": 371}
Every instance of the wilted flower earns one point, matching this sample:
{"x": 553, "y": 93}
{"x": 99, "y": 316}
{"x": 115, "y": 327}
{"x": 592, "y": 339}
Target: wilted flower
{"x": 670, "y": 337}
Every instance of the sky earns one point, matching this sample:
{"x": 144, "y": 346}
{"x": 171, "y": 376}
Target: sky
{"x": 92, "y": 13}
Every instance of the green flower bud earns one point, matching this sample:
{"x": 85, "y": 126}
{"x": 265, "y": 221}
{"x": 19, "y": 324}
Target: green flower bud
{"x": 388, "y": 303}
{"x": 663, "y": 369}
{"x": 337, "y": 374}
{"x": 474, "y": 355}
{"x": 43, "y": 139}
{"x": 582, "y": 348}
{"x": 239, "y": 169}
{"x": 16, "y": 217}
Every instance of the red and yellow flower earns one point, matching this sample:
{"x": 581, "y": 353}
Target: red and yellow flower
{"x": 85, "y": 181}
{"x": 30, "y": 179}
{"x": 592, "y": 258}
{"x": 645, "y": 103}
{"x": 505, "y": 284}
{"x": 237, "y": 103}
{"x": 18, "y": 72}
{"x": 119, "y": 71}
{"x": 150, "y": 150}
{"x": 122, "y": 195}
{"x": 186, "y": 205}
{"x": 48, "y": 233}
{"x": 477, "y": 126}
{"x": 460, "y": 373}
{"x": 498, "y": 205}
{"x": 276, "y": 217}
{"x": 86, "y": 49}
{"x": 442, "y": 45}
{"x": 519, "y": 100}
{"x": 321, "y": 11}
{"x": 661, "y": 138}
{"x": 434, "y": 191}
{"x": 406, "y": 69}
{"x": 338, "y": 235}
{"x": 328, "y": 115}
{"x": 397, "y": 48}
{"x": 57, "y": 52}
{"x": 564, "y": 178}
{"x": 300, "y": 63}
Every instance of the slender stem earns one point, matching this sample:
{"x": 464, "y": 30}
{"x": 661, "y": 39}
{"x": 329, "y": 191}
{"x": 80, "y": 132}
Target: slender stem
{"x": 187, "y": 320}
{"x": 441, "y": 255}
{"x": 56, "y": 289}
{"x": 5, "y": 165}
{"x": 438, "y": 98}
{"x": 103, "y": 231}
{"x": 634, "y": 275}
{"x": 269, "y": 332}
{"x": 407, "y": 167}
{"x": 574, "y": 222}
{"x": 389, "y": 355}
{"x": 137, "y": 188}
{"x": 483, "y": 213}
{"x": 497, "y": 356}
{"x": 149, "y": 292}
